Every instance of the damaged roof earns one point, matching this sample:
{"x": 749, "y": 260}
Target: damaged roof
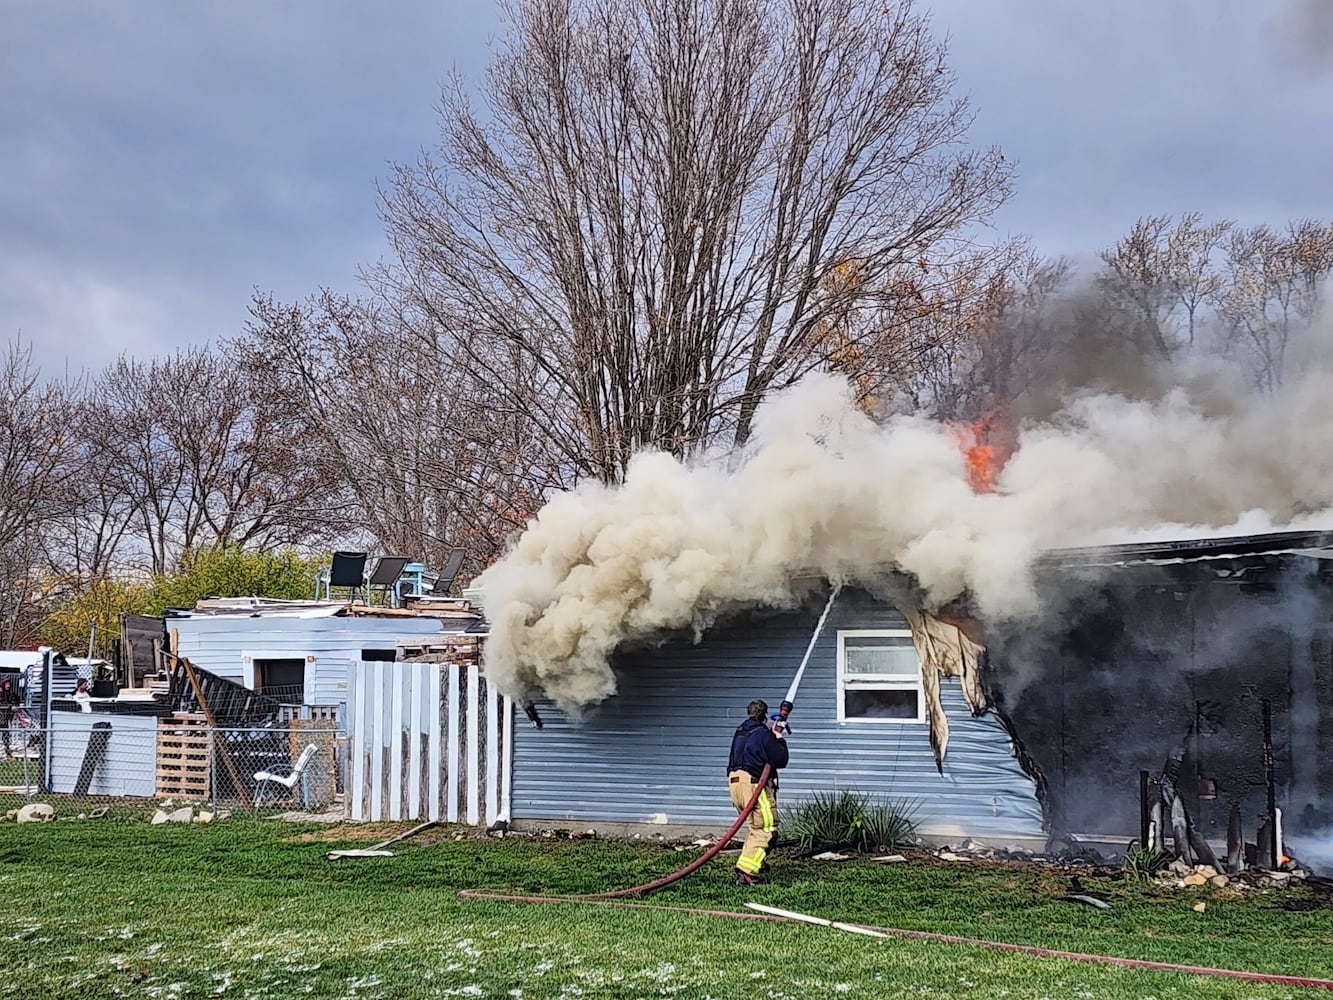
{"x": 1315, "y": 543}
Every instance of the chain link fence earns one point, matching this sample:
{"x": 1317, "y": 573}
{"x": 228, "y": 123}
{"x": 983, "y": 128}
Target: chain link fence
{"x": 137, "y": 766}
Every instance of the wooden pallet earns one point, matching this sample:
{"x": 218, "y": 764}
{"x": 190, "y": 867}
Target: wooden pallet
{"x": 183, "y": 766}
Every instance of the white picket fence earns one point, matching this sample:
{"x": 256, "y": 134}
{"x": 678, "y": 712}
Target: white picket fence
{"x": 427, "y": 741}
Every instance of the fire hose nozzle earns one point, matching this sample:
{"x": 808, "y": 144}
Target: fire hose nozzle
{"x": 785, "y": 708}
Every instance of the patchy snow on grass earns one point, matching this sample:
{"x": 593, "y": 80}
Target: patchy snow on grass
{"x": 469, "y": 948}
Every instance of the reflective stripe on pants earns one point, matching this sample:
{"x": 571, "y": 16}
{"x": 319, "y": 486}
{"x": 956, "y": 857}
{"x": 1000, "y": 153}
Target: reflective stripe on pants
{"x": 763, "y": 821}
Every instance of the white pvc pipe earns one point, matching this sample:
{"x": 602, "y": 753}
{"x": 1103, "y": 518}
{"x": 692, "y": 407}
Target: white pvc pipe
{"x": 805, "y": 660}
{"x": 820, "y": 921}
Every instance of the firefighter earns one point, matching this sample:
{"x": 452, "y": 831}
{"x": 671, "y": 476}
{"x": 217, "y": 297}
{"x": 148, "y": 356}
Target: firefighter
{"x": 758, "y": 741}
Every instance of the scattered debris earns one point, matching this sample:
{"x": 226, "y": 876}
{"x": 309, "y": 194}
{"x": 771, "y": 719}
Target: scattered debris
{"x": 35, "y": 812}
{"x": 378, "y": 850}
{"x": 1078, "y": 894}
{"x": 1199, "y": 907}
{"x": 1182, "y": 876}
{"x": 890, "y": 859}
{"x": 359, "y": 852}
{"x": 1093, "y": 901}
{"x": 950, "y": 856}
{"x": 830, "y": 856}
{"x": 204, "y": 816}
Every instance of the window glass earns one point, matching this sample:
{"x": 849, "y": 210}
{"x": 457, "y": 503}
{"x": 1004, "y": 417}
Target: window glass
{"x": 901, "y": 703}
{"x": 875, "y": 656}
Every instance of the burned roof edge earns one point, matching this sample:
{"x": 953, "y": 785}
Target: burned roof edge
{"x": 1314, "y": 543}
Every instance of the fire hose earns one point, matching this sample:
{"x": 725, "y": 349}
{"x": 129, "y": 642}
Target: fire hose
{"x": 698, "y": 862}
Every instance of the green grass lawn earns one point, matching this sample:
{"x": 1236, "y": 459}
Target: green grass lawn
{"x": 247, "y": 908}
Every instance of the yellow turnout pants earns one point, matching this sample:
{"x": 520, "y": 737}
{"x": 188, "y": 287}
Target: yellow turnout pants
{"x": 763, "y": 821}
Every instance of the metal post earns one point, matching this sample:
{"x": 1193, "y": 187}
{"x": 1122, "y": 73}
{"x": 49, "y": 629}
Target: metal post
{"x": 212, "y": 772}
{"x": 1145, "y": 810}
{"x": 1271, "y": 785}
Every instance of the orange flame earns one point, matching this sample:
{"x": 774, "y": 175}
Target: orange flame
{"x": 987, "y": 445}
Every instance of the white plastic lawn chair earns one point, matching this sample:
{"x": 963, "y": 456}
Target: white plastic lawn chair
{"x": 286, "y": 776}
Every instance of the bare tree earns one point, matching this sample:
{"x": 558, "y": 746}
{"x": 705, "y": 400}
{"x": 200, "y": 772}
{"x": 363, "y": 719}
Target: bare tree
{"x": 199, "y": 457}
{"x": 34, "y": 439}
{"x": 650, "y": 216}
{"x": 1273, "y": 292}
{"x": 87, "y": 538}
{"x": 1166, "y": 271}
{"x": 429, "y": 456}
{"x": 986, "y": 333}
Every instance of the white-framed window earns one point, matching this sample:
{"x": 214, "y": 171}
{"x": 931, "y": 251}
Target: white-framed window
{"x": 879, "y": 677}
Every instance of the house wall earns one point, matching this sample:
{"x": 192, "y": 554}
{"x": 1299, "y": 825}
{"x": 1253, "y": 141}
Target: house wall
{"x": 129, "y": 765}
{"x": 656, "y": 751}
{"x": 221, "y": 644}
{"x": 1139, "y": 662}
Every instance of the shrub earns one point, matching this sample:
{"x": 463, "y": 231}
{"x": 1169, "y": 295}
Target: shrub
{"x": 1143, "y": 863}
{"x": 850, "y": 820}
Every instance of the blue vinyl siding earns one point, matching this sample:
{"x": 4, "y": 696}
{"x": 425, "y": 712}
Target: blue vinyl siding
{"x": 218, "y": 643}
{"x": 656, "y": 751}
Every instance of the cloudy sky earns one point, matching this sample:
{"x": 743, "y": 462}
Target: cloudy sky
{"x": 162, "y": 159}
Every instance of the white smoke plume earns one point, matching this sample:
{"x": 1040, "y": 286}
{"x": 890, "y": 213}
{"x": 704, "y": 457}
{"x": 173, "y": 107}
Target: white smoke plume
{"x": 824, "y": 490}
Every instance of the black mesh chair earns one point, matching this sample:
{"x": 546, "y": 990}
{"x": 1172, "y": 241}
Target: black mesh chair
{"x": 348, "y": 570}
{"x": 385, "y": 576}
{"x": 449, "y": 573}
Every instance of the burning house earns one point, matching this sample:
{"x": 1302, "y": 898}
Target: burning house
{"x": 1144, "y": 686}
{"x": 1011, "y": 683}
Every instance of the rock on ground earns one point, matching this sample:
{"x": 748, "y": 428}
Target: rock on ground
{"x": 36, "y": 812}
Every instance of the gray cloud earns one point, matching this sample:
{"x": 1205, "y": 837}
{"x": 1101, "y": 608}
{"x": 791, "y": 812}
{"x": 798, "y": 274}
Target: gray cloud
{"x": 163, "y": 159}
{"x": 1116, "y": 111}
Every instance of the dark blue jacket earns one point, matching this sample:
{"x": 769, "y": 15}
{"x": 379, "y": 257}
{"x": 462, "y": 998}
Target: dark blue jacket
{"x": 753, "y": 746}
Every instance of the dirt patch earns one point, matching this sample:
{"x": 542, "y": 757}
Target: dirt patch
{"x": 374, "y": 833}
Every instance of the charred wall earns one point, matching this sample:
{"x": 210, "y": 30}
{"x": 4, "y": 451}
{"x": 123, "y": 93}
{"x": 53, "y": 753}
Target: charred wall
{"x": 1132, "y": 661}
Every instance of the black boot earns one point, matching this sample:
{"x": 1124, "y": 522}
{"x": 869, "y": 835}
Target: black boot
{"x": 746, "y": 879}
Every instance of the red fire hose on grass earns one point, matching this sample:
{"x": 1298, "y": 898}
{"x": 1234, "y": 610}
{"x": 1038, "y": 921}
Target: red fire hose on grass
{"x": 698, "y": 862}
